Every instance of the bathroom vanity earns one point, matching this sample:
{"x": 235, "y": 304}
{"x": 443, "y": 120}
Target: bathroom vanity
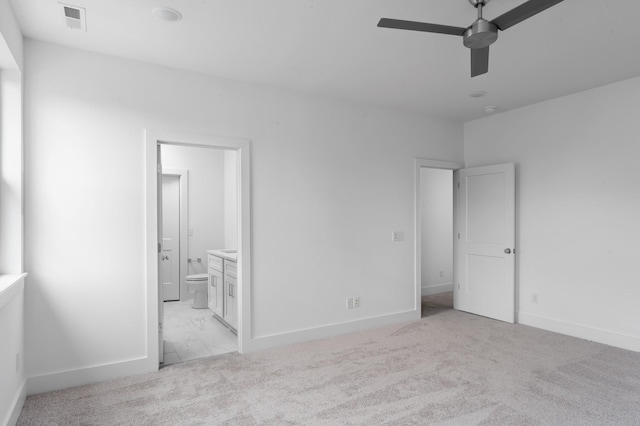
{"x": 223, "y": 288}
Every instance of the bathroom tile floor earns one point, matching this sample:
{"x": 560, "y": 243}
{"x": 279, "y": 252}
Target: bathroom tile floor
{"x": 193, "y": 333}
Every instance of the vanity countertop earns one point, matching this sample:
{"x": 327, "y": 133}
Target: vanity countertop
{"x": 225, "y": 254}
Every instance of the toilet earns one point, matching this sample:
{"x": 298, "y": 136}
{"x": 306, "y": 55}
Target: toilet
{"x": 197, "y": 285}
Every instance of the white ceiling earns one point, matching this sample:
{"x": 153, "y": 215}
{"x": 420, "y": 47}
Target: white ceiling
{"x": 334, "y": 48}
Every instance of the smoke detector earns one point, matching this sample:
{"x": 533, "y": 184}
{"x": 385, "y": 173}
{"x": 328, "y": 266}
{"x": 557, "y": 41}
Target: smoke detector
{"x": 74, "y": 16}
{"x": 166, "y": 14}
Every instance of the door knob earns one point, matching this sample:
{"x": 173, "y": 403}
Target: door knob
{"x": 164, "y": 257}
{"x": 507, "y": 250}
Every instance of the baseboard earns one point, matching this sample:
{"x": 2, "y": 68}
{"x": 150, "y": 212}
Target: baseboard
{"x": 606, "y": 337}
{"x": 85, "y": 376}
{"x": 14, "y": 413}
{"x": 304, "y": 335}
{"x": 437, "y": 289}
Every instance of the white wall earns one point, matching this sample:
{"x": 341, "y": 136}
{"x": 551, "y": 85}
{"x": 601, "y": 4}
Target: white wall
{"x": 12, "y": 372}
{"x": 230, "y": 200}
{"x": 11, "y": 48}
{"x": 330, "y": 181}
{"x": 12, "y": 312}
{"x": 578, "y": 202}
{"x": 206, "y": 199}
{"x": 11, "y": 161}
{"x": 437, "y": 230}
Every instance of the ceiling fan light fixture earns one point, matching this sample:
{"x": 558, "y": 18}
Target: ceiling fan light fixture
{"x": 166, "y": 14}
{"x": 480, "y": 35}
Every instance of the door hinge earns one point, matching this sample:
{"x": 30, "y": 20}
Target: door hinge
{"x": 458, "y": 235}
{"x": 159, "y": 247}
{"x": 159, "y": 168}
{"x": 458, "y": 185}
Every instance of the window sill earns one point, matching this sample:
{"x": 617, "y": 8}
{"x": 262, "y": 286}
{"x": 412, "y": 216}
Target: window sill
{"x": 10, "y": 286}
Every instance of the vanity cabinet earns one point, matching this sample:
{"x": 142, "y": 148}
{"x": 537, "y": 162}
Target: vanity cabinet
{"x": 223, "y": 289}
{"x": 216, "y": 291}
{"x": 231, "y": 290}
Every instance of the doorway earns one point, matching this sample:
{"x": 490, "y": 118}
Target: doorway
{"x": 170, "y": 259}
{"x": 155, "y": 140}
{"x": 484, "y": 279}
{"x": 191, "y": 330}
{"x": 437, "y": 240}
{"x": 434, "y": 235}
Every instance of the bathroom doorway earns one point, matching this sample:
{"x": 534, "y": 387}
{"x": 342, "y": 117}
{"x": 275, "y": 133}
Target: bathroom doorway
{"x": 234, "y": 153}
{"x": 192, "y": 329}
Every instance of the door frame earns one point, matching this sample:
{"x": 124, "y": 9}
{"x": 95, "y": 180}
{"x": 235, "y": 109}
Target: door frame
{"x": 425, "y": 163}
{"x": 183, "y": 176}
{"x": 153, "y": 138}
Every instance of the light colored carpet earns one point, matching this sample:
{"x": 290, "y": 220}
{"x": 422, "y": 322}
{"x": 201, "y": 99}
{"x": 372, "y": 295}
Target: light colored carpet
{"x": 451, "y": 368}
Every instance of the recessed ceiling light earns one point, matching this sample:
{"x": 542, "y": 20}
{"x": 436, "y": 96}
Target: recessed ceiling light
{"x": 478, "y": 94}
{"x": 489, "y": 109}
{"x": 166, "y": 14}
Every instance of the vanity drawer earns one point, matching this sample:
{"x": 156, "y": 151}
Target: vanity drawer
{"x": 230, "y": 268}
{"x": 215, "y": 262}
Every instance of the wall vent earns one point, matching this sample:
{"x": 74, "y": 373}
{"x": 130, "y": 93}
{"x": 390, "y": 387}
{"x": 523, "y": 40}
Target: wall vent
{"x": 74, "y": 17}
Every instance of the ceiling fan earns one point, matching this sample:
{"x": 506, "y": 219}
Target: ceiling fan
{"x": 482, "y": 33}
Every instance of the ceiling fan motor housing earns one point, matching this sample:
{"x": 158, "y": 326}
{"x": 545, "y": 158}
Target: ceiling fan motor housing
{"x": 480, "y": 35}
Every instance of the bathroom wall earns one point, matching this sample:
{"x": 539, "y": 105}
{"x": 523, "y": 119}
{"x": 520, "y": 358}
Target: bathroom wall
{"x": 230, "y": 200}
{"x": 437, "y": 230}
{"x": 206, "y": 199}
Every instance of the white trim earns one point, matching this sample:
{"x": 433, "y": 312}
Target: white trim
{"x": 183, "y": 174}
{"x": 607, "y": 337}
{"x": 88, "y": 375}
{"x": 431, "y": 164}
{"x": 16, "y": 407}
{"x": 11, "y": 285}
{"x": 428, "y": 290}
{"x": 315, "y": 333}
{"x": 242, "y": 146}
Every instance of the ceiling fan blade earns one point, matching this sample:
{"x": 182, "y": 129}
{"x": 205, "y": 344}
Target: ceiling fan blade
{"x": 524, "y": 11}
{"x": 479, "y": 61}
{"x": 420, "y": 26}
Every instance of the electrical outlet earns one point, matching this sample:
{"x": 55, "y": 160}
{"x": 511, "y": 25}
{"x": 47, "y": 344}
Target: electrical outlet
{"x": 441, "y": 274}
{"x": 356, "y": 302}
{"x": 397, "y": 236}
{"x": 349, "y": 302}
{"x": 534, "y": 298}
{"x": 17, "y": 361}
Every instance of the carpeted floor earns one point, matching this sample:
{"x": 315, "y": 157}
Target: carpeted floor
{"x": 451, "y": 368}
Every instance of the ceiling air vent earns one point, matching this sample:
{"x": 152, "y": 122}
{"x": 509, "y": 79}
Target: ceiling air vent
{"x": 74, "y": 16}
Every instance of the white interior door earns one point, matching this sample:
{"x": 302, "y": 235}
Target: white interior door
{"x": 170, "y": 259}
{"x": 485, "y": 243}
{"x": 160, "y": 295}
